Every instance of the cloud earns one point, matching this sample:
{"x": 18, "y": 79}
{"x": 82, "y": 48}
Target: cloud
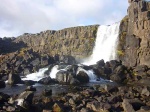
{"x": 32, "y": 16}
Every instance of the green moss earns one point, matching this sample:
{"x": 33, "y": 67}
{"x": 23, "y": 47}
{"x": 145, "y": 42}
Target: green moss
{"x": 120, "y": 53}
{"x": 22, "y": 52}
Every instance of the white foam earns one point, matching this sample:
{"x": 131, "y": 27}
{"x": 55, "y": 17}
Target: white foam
{"x": 90, "y": 73}
{"x": 54, "y": 71}
{"x": 36, "y": 76}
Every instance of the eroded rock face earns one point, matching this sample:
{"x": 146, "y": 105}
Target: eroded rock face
{"x": 134, "y": 39}
{"x": 29, "y": 52}
{"x": 75, "y": 41}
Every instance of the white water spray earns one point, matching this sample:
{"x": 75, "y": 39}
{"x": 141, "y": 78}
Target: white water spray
{"x": 36, "y": 76}
{"x": 105, "y": 44}
{"x": 54, "y": 71}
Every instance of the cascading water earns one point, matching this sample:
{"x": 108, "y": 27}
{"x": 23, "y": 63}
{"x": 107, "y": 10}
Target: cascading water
{"x": 105, "y": 48}
{"x": 105, "y": 44}
{"x": 36, "y": 76}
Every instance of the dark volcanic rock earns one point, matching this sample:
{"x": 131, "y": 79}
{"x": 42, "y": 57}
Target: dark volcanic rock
{"x": 30, "y": 88}
{"x": 47, "y": 80}
{"x": 82, "y": 77}
{"x": 14, "y": 79}
{"x": 64, "y": 76}
{"x": 100, "y": 63}
{"x": 47, "y": 92}
{"x": 29, "y": 82}
{"x": 134, "y": 36}
{"x": 119, "y": 74}
{"x": 2, "y": 84}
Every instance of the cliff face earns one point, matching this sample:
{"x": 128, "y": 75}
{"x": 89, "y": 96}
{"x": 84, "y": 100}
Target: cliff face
{"x": 28, "y": 52}
{"x": 134, "y": 47}
{"x": 75, "y": 41}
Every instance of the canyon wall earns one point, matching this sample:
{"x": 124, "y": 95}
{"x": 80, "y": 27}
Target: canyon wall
{"x": 134, "y": 41}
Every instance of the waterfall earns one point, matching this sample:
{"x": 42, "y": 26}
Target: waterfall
{"x": 105, "y": 48}
{"x": 105, "y": 44}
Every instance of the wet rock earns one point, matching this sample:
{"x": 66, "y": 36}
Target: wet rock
{"x": 47, "y": 92}
{"x": 2, "y": 84}
{"x": 29, "y": 82}
{"x": 64, "y": 76}
{"x": 82, "y": 77}
{"x": 47, "y": 81}
{"x": 100, "y": 63}
{"x": 30, "y": 88}
{"x": 72, "y": 68}
{"x": 14, "y": 79}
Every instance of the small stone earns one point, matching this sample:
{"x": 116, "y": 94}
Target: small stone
{"x": 71, "y": 101}
{"x": 57, "y": 107}
{"x": 145, "y": 91}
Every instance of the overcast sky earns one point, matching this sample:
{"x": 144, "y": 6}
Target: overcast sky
{"x": 32, "y": 16}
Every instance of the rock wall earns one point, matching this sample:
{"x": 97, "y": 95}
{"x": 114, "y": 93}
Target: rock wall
{"x": 134, "y": 47}
{"x": 29, "y": 52}
{"x": 75, "y": 41}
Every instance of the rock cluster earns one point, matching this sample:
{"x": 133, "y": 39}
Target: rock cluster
{"x": 96, "y": 98}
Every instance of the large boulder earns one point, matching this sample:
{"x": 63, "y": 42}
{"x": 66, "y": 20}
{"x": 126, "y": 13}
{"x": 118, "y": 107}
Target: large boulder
{"x": 100, "y": 63}
{"x": 25, "y": 99}
{"x": 119, "y": 74}
{"x": 67, "y": 59}
{"x": 64, "y": 76}
{"x": 132, "y": 105}
{"x": 72, "y": 68}
{"x": 82, "y": 77}
{"x": 14, "y": 79}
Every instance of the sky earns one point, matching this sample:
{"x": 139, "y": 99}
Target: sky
{"x": 33, "y": 16}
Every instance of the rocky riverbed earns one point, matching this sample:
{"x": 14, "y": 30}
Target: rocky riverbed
{"x": 129, "y": 91}
{"x": 94, "y": 98}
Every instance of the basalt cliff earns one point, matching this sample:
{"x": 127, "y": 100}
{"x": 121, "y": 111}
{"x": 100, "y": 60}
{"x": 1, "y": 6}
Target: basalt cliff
{"x": 134, "y": 40}
{"x": 29, "y": 52}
